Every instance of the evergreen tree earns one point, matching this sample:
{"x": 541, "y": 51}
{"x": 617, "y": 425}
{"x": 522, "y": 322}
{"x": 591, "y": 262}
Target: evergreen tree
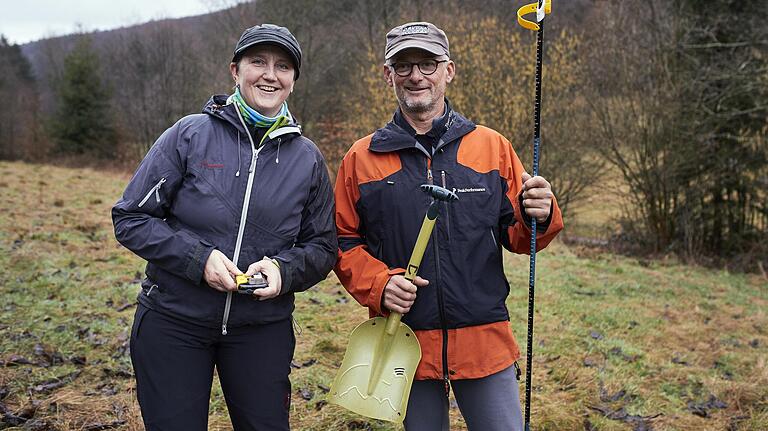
{"x": 18, "y": 112}
{"x": 82, "y": 123}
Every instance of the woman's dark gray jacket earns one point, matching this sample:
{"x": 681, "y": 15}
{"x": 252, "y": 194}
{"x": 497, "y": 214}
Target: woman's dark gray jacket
{"x": 204, "y": 185}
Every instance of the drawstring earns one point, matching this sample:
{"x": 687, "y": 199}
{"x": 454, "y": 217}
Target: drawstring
{"x": 239, "y": 162}
{"x": 277, "y": 158}
{"x": 296, "y": 327}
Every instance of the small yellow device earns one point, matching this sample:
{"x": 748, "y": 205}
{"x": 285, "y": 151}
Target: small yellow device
{"x": 246, "y": 284}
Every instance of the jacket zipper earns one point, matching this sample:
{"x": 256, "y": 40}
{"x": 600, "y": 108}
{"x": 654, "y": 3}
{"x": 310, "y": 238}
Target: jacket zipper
{"x": 156, "y": 190}
{"x": 440, "y": 300}
{"x": 243, "y": 215}
{"x": 447, "y": 209}
{"x": 441, "y": 308}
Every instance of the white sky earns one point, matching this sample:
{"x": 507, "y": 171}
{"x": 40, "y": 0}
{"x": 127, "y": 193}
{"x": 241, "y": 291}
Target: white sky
{"x": 23, "y": 21}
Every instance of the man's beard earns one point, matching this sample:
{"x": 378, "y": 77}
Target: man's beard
{"x": 415, "y": 106}
{"x": 419, "y": 107}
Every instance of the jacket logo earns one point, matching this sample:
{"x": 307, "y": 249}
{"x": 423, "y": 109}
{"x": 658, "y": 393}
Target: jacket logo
{"x": 205, "y": 164}
{"x": 470, "y": 190}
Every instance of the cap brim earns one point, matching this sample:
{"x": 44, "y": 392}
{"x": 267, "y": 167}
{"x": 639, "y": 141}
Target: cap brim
{"x": 432, "y": 48}
{"x": 267, "y": 39}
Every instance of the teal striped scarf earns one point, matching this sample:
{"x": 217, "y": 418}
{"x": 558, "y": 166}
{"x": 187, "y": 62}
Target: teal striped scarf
{"x": 253, "y": 117}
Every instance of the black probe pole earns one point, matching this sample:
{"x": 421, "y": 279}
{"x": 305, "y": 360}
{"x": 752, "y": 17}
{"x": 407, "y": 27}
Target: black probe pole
{"x": 532, "y": 273}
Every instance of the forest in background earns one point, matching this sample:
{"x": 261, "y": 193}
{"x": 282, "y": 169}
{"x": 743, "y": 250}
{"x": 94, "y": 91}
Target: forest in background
{"x": 671, "y": 95}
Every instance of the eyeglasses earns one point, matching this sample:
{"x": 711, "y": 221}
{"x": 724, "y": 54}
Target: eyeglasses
{"x": 426, "y": 67}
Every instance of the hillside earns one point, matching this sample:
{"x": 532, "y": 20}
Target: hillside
{"x": 622, "y": 344}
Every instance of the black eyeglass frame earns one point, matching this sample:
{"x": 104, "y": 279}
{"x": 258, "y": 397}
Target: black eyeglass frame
{"x": 417, "y": 64}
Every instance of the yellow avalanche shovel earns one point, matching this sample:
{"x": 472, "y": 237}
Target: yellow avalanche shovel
{"x": 376, "y": 375}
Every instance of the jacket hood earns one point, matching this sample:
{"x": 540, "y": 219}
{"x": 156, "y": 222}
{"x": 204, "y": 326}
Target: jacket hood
{"x": 217, "y": 107}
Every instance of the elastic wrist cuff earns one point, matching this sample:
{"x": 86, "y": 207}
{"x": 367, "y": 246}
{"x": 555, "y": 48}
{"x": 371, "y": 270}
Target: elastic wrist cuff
{"x": 275, "y": 261}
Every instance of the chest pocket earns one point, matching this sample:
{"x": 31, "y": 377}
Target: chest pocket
{"x": 393, "y": 209}
{"x": 479, "y": 200}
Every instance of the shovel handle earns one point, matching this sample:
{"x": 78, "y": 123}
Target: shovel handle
{"x": 393, "y": 320}
{"x": 421, "y": 242}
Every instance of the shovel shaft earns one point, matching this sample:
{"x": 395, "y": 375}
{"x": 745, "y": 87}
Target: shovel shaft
{"x": 421, "y": 242}
{"x": 393, "y": 322}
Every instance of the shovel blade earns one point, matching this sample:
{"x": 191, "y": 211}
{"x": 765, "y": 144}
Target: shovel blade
{"x": 356, "y": 387}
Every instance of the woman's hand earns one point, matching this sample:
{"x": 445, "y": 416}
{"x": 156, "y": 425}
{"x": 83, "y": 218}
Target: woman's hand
{"x": 220, "y": 272}
{"x": 271, "y": 273}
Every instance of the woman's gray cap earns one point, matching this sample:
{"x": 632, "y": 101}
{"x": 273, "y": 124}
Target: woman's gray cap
{"x": 421, "y": 35}
{"x": 273, "y": 34}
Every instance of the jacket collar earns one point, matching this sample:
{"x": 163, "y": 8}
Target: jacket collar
{"x": 438, "y": 124}
{"x": 217, "y": 107}
{"x": 393, "y": 137}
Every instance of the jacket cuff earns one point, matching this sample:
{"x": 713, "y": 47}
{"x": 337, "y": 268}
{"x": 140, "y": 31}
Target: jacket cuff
{"x": 376, "y": 296}
{"x": 198, "y": 257}
{"x": 540, "y": 227}
{"x": 285, "y": 275}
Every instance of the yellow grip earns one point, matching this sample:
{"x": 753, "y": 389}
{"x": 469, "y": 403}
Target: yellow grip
{"x": 533, "y": 8}
{"x": 418, "y": 250}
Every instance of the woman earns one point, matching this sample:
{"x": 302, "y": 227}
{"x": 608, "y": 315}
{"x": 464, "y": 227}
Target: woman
{"x": 233, "y": 190}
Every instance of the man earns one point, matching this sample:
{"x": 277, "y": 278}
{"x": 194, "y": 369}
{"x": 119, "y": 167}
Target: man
{"x": 457, "y": 305}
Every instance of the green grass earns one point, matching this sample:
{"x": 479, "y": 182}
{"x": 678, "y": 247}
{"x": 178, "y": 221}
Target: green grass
{"x": 670, "y": 336}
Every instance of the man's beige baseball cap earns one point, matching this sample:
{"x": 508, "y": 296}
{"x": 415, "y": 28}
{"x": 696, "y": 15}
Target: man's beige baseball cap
{"x": 421, "y": 35}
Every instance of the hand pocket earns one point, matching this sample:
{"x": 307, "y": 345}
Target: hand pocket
{"x": 141, "y": 311}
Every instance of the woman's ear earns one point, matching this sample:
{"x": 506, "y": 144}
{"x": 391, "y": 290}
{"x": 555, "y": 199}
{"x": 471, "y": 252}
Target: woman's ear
{"x": 233, "y": 70}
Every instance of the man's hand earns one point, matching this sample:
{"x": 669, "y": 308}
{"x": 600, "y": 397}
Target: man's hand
{"x": 537, "y": 197}
{"x": 220, "y": 272}
{"x": 271, "y": 274}
{"x": 399, "y": 293}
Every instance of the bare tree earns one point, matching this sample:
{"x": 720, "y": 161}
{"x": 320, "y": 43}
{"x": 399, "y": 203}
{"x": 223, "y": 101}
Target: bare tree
{"x": 157, "y": 82}
{"x": 683, "y": 114}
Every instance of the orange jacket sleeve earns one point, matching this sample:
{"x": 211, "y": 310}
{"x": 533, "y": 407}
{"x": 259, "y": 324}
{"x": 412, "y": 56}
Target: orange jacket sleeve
{"x": 517, "y": 224}
{"x": 360, "y": 273}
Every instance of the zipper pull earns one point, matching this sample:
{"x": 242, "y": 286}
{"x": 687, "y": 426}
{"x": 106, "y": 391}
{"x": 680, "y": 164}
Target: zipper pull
{"x": 155, "y": 190}
{"x": 224, "y": 329}
{"x": 253, "y": 162}
{"x": 429, "y": 175}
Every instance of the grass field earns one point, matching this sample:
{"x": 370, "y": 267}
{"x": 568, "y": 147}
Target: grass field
{"x": 621, "y": 343}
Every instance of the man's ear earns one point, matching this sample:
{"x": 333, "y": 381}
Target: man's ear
{"x": 387, "y": 74}
{"x": 450, "y": 70}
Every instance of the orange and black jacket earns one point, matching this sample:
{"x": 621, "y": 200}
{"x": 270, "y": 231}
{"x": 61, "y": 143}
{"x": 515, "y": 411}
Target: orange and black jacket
{"x": 460, "y": 318}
